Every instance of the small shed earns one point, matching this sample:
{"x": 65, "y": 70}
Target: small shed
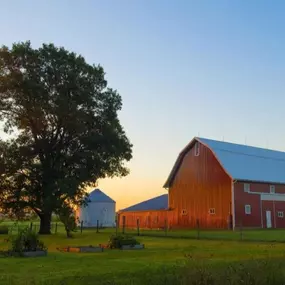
{"x": 100, "y": 208}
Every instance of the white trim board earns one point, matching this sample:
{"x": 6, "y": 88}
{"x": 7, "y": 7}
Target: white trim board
{"x": 272, "y": 197}
{"x": 233, "y": 205}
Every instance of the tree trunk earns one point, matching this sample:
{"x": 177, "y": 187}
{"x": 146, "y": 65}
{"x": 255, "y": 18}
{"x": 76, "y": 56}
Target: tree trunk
{"x": 45, "y": 225}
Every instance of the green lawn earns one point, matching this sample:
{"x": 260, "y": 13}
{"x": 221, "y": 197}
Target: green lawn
{"x": 160, "y": 254}
{"x": 272, "y": 235}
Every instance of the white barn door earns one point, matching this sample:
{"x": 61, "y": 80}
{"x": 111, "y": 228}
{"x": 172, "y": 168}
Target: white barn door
{"x": 268, "y": 219}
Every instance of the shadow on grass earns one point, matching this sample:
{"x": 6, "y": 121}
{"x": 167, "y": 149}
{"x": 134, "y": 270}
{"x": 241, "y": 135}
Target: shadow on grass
{"x": 193, "y": 272}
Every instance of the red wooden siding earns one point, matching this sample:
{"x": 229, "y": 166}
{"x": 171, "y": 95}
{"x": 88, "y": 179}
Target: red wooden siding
{"x": 147, "y": 219}
{"x": 279, "y": 207}
{"x": 241, "y": 199}
{"x": 262, "y": 187}
{"x": 257, "y": 218}
{"x": 199, "y": 185}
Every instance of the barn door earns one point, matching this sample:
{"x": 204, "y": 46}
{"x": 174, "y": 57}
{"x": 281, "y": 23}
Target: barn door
{"x": 268, "y": 219}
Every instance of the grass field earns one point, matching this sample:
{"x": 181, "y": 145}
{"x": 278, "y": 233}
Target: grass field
{"x": 161, "y": 258}
{"x": 265, "y": 235}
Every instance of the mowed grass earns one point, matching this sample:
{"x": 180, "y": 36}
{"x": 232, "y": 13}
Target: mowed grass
{"x": 119, "y": 267}
{"x": 267, "y": 235}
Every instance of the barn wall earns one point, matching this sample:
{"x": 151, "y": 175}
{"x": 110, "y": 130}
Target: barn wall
{"x": 279, "y": 221}
{"x": 147, "y": 219}
{"x": 257, "y": 218}
{"x": 241, "y": 199}
{"x": 200, "y": 184}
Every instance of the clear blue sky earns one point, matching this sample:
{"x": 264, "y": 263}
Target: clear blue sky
{"x": 183, "y": 68}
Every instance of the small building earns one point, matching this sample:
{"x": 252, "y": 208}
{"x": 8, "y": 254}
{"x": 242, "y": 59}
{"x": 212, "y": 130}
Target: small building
{"x": 149, "y": 213}
{"x": 226, "y": 185}
{"x": 100, "y": 208}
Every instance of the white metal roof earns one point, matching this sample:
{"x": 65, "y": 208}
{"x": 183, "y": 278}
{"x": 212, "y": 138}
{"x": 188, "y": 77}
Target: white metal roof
{"x": 250, "y": 163}
{"x": 241, "y": 162}
{"x": 98, "y": 196}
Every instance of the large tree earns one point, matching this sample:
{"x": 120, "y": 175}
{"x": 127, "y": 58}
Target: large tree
{"x": 66, "y": 131}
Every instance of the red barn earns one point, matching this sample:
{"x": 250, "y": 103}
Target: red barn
{"x": 226, "y": 185}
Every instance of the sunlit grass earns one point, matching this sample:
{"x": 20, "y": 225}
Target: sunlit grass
{"x": 116, "y": 265}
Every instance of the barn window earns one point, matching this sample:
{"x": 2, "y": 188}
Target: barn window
{"x": 184, "y": 212}
{"x": 212, "y": 211}
{"x": 197, "y": 149}
{"x": 272, "y": 189}
{"x": 247, "y": 209}
{"x": 246, "y": 187}
{"x": 280, "y": 214}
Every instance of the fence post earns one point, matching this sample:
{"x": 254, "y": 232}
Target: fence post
{"x": 198, "y": 228}
{"x": 97, "y": 227}
{"x": 55, "y": 230}
{"x": 241, "y": 233}
{"x": 81, "y": 227}
{"x": 117, "y": 223}
{"x": 165, "y": 227}
{"x": 124, "y": 224}
{"x": 138, "y": 226}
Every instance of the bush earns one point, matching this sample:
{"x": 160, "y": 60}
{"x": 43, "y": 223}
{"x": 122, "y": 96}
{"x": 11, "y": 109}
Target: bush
{"x": 4, "y": 230}
{"x": 66, "y": 216}
{"x": 117, "y": 241}
{"x": 26, "y": 240}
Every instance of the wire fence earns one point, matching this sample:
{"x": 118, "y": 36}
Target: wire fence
{"x": 56, "y": 227}
{"x": 199, "y": 233}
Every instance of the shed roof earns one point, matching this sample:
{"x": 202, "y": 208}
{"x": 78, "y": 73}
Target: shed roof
{"x": 98, "y": 196}
{"x": 157, "y": 203}
{"x": 241, "y": 162}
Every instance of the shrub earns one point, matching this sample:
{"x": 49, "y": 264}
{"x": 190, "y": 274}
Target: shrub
{"x": 66, "y": 216}
{"x": 117, "y": 241}
{"x": 4, "y": 230}
{"x": 26, "y": 240}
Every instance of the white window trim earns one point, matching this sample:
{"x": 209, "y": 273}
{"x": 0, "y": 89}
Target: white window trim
{"x": 272, "y": 189}
{"x": 183, "y": 212}
{"x": 212, "y": 211}
{"x": 280, "y": 214}
{"x": 197, "y": 149}
{"x": 246, "y": 187}
{"x": 247, "y": 209}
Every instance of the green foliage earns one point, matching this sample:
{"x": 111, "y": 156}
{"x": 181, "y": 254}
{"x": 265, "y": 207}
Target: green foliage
{"x": 4, "y": 230}
{"x": 65, "y": 127}
{"x": 26, "y": 240}
{"x": 66, "y": 216}
{"x": 117, "y": 241}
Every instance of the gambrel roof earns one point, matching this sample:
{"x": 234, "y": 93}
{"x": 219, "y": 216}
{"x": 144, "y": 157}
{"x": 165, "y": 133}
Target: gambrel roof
{"x": 240, "y": 162}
